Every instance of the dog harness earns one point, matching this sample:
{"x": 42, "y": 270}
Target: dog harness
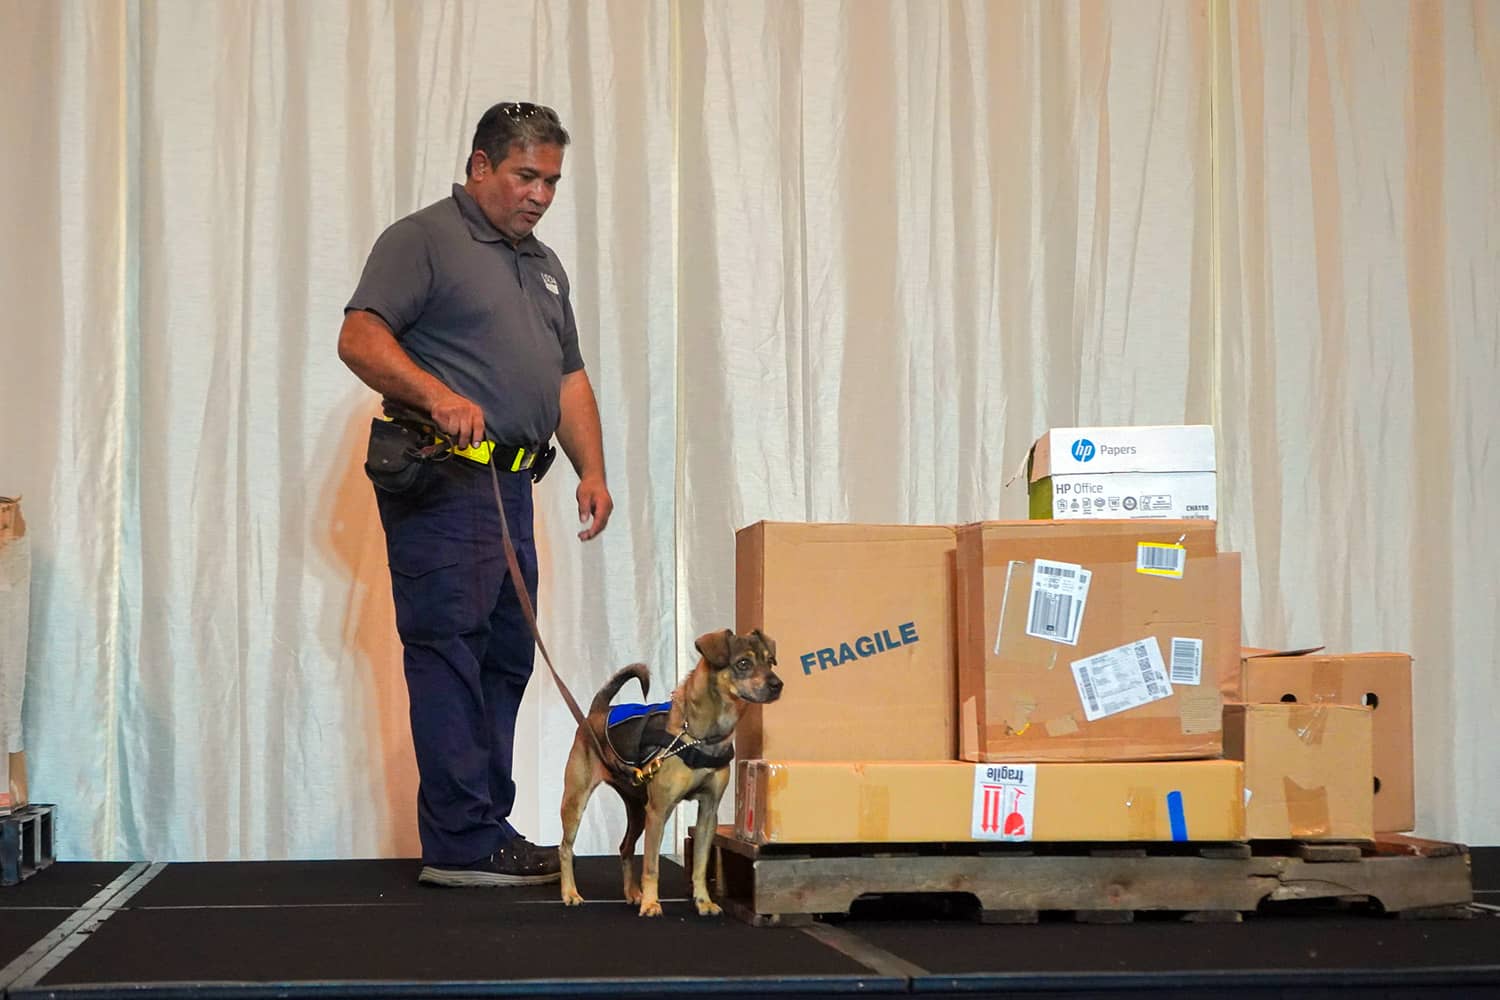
{"x": 638, "y": 736}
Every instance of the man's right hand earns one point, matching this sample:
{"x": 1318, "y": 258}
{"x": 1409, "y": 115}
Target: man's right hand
{"x": 459, "y": 418}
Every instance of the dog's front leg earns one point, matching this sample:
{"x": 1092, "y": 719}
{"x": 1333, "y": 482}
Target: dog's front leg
{"x": 658, "y": 808}
{"x": 703, "y": 840}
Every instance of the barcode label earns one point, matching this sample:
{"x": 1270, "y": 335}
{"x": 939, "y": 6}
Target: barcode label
{"x": 1086, "y": 688}
{"x": 1148, "y": 673}
{"x": 1187, "y": 661}
{"x": 1160, "y": 559}
{"x": 1059, "y": 592}
{"x": 1051, "y": 614}
{"x": 1120, "y": 679}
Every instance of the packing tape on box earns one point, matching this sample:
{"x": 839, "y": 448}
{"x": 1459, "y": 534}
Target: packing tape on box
{"x": 1201, "y": 709}
{"x": 1063, "y": 725}
{"x": 1140, "y": 813}
{"x": 1327, "y": 682}
{"x": 874, "y": 822}
{"x": 1309, "y": 722}
{"x": 1306, "y": 809}
{"x": 968, "y": 728}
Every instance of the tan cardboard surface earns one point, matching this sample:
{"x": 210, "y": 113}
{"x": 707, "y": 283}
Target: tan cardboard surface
{"x": 934, "y": 801}
{"x": 1019, "y": 696}
{"x": 1308, "y": 769}
{"x": 862, "y": 616}
{"x": 1380, "y": 681}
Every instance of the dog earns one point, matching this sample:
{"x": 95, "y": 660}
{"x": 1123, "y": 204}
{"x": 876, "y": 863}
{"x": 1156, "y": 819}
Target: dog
{"x": 732, "y": 672}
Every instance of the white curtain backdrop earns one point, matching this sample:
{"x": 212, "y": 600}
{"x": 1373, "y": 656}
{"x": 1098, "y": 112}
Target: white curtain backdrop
{"x": 1359, "y": 432}
{"x": 831, "y": 261}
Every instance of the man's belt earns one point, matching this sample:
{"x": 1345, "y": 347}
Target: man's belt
{"x": 512, "y": 458}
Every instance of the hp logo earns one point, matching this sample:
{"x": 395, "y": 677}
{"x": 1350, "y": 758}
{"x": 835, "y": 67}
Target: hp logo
{"x": 1083, "y": 450}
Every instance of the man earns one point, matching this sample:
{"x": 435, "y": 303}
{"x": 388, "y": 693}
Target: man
{"x": 463, "y": 315}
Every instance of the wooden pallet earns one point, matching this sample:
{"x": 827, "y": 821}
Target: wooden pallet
{"x": 26, "y": 843}
{"x": 1097, "y": 883}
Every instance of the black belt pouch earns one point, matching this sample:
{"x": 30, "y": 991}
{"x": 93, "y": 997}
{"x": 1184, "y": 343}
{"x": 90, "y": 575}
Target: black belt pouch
{"x": 394, "y": 460}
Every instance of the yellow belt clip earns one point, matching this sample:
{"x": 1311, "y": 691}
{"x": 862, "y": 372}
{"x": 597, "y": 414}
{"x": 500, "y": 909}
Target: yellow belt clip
{"x": 479, "y": 451}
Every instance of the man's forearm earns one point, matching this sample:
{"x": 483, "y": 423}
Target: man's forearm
{"x": 578, "y": 431}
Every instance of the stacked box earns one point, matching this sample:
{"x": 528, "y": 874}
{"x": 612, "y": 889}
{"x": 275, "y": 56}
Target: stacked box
{"x": 862, "y": 617}
{"x": 1378, "y": 681}
{"x": 819, "y": 802}
{"x": 1123, "y": 472}
{"x": 1307, "y": 770}
{"x": 1094, "y": 640}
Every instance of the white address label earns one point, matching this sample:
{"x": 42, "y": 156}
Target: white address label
{"x": 1122, "y": 678}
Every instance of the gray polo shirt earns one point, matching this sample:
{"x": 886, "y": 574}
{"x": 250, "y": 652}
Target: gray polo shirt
{"x": 491, "y": 321}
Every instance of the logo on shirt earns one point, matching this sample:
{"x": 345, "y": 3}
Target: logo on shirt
{"x": 550, "y": 282}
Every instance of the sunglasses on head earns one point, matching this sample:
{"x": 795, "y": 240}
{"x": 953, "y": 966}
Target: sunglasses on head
{"x": 519, "y": 111}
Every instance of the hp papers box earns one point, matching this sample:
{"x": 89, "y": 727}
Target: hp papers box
{"x": 1124, "y": 472}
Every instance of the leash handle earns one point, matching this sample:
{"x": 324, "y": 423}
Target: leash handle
{"x": 536, "y": 633}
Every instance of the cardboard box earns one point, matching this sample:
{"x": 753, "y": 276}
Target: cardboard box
{"x": 1051, "y": 675}
{"x": 1123, "y": 472}
{"x": 817, "y": 802}
{"x": 13, "y": 794}
{"x": 1307, "y": 770}
{"x": 862, "y": 616}
{"x": 1378, "y": 681}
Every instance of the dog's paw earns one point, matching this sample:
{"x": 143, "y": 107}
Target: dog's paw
{"x": 708, "y": 908}
{"x": 570, "y": 897}
{"x": 651, "y": 909}
{"x": 633, "y": 895}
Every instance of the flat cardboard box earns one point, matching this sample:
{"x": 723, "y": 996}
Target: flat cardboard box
{"x": 1379, "y": 681}
{"x": 862, "y": 617}
{"x": 1066, "y": 451}
{"x": 821, "y": 802}
{"x": 1308, "y": 770}
{"x": 1104, "y": 696}
{"x": 1123, "y": 472}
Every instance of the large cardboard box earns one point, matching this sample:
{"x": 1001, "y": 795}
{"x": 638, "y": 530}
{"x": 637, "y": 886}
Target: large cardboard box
{"x": 819, "y": 802}
{"x": 1094, "y": 640}
{"x": 1123, "y": 472}
{"x": 862, "y": 616}
{"x": 1307, "y": 770}
{"x": 1378, "y": 681}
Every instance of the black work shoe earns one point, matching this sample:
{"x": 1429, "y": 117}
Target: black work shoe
{"x": 528, "y": 863}
{"x": 518, "y": 863}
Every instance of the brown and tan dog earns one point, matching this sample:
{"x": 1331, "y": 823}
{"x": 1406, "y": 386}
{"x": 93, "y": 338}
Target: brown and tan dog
{"x": 733, "y": 670}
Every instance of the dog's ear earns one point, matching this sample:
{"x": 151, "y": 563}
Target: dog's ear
{"x": 767, "y": 642}
{"x": 714, "y": 646}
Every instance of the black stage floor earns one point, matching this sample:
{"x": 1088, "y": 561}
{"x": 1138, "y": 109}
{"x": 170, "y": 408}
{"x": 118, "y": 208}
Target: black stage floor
{"x": 366, "y": 929}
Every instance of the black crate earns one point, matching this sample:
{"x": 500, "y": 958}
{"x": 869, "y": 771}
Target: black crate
{"x": 26, "y": 843}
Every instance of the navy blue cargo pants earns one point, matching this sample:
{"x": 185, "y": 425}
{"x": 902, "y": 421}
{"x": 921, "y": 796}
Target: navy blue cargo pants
{"x": 468, "y": 649}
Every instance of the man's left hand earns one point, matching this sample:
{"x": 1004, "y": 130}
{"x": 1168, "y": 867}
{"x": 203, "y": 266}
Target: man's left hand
{"x": 594, "y": 504}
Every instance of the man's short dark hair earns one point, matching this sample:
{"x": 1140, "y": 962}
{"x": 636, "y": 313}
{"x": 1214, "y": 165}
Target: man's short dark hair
{"x": 515, "y": 123}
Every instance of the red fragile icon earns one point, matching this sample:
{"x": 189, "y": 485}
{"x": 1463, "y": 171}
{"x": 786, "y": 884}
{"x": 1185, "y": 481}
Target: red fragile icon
{"x": 1002, "y": 800}
{"x": 1015, "y": 823}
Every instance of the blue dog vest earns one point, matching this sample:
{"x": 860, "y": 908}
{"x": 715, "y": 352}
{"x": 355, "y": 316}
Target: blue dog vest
{"x": 638, "y": 733}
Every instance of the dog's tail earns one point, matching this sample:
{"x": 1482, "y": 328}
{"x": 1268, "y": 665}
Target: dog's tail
{"x": 607, "y": 693}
